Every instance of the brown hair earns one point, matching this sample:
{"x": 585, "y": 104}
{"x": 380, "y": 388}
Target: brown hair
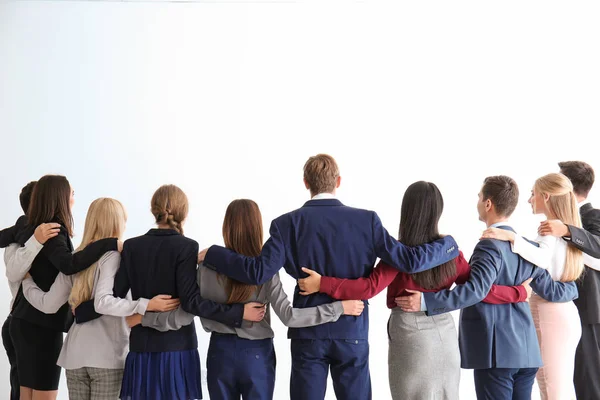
{"x": 25, "y": 196}
{"x": 581, "y": 175}
{"x": 321, "y": 173}
{"x": 50, "y": 202}
{"x": 562, "y": 205}
{"x": 422, "y": 207}
{"x": 503, "y": 192}
{"x": 170, "y": 206}
{"x": 242, "y": 233}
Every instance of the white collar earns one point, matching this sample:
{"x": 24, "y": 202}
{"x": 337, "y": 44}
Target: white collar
{"x": 497, "y": 224}
{"x": 322, "y": 196}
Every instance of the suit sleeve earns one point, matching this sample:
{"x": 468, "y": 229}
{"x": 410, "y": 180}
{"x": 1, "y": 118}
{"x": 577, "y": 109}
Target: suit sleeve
{"x": 362, "y": 288}
{"x": 57, "y": 250}
{"x": 485, "y": 263}
{"x": 586, "y": 241}
{"x": 551, "y": 290}
{"x": 411, "y": 259}
{"x": 7, "y": 236}
{"x": 250, "y": 270}
{"x": 189, "y": 293}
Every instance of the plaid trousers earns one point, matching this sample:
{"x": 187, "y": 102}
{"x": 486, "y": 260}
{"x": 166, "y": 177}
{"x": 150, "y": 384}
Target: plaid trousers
{"x": 94, "y": 383}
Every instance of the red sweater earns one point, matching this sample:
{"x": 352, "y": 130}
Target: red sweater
{"x": 397, "y": 282}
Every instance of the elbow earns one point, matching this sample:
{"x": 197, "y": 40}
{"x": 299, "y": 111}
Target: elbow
{"x": 99, "y": 304}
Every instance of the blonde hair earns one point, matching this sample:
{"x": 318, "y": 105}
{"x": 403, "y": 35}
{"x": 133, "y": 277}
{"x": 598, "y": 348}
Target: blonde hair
{"x": 169, "y": 206}
{"x": 106, "y": 218}
{"x": 562, "y": 205}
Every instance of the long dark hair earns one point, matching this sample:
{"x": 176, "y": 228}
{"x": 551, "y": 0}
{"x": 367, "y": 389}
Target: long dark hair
{"x": 242, "y": 233}
{"x": 421, "y": 210}
{"x": 50, "y": 202}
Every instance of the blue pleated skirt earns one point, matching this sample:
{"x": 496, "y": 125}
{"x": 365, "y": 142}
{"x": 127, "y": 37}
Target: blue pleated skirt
{"x": 161, "y": 376}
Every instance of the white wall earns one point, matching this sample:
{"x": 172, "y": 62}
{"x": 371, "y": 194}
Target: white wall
{"x": 228, "y": 99}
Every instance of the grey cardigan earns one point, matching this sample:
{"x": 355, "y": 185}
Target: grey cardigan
{"x": 103, "y": 342}
{"x": 271, "y": 292}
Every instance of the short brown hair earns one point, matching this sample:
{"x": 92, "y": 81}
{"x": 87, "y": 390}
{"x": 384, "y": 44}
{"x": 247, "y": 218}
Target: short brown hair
{"x": 242, "y": 233}
{"x": 321, "y": 173}
{"x": 503, "y": 193}
{"x": 581, "y": 175}
{"x": 169, "y": 206}
{"x": 25, "y": 196}
{"x": 50, "y": 202}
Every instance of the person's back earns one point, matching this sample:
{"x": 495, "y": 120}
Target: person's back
{"x": 335, "y": 240}
{"x": 151, "y": 263}
{"x": 486, "y": 330}
{"x": 498, "y": 341}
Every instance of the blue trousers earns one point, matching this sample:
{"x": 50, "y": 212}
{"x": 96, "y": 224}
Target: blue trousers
{"x": 240, "y": 367}
{"x": 504, "y": 383}
{"x": 347, "y": 359}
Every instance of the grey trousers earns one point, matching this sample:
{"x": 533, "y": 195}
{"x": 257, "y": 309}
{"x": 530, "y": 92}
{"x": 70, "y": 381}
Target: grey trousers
{"x": 94, "y": 383}
{"x": 423, "y": 356}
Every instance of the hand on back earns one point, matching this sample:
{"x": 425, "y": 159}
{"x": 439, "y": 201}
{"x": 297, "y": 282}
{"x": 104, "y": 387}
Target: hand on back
{"x": 310, "y": 284}
{"x": 44, "y": 232}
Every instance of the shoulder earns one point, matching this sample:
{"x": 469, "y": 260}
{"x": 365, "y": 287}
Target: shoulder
{"x": 110, "y": 257}
{"x": 592, "y": 213}
{"x": 62, "y": 238}
{"x": 490, "y": 246}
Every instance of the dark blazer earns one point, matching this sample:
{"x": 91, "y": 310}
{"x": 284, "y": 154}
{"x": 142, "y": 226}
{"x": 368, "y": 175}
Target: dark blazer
{"x": 56, "y": 256}
{"x": 498, "y": 335}
{"x": 8, "y": 236}
{"x": 164, "y": 262}
{"x": 334, "y": 240}
{"x": 588, "y": 241}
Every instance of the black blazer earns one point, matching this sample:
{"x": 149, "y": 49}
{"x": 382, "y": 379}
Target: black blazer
{"x": 588, "y": 241}
{"x": 8, "y": 236}
{"x": 56, "y": 256}
{"x": 164, "y": 262}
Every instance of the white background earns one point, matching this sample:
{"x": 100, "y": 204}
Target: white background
{"x": 228, "y": 99}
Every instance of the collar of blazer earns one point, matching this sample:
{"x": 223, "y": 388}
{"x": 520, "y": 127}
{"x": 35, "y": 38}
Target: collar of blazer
{"x": 323, "y": 202}
{"x": 162, "y": 232}
{"x": 585, "y": 208}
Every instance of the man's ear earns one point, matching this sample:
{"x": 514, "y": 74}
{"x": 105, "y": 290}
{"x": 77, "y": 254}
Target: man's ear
{"x": 338, "y": 182}
{"x": 306, "y": 184}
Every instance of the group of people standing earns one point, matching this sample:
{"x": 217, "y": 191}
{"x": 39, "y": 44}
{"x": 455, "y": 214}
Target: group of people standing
{"x": 129, "y": 307}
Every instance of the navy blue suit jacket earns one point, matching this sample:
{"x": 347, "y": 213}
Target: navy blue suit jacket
{"x": 498, "y": 335}
{"x": 334, "y": 240}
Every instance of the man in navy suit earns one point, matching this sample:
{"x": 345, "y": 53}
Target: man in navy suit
{"x": 498, "y": 341}
{"x": 335, "y": 240}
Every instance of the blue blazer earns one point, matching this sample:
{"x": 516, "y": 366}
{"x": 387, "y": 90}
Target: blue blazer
{"x": 334, "y": 240}
{"x": 498, "y": 335}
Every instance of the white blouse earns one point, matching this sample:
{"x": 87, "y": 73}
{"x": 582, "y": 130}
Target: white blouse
{"x": 551, "y": 254}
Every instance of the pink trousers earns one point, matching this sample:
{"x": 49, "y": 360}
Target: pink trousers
{"x": 558, "y": 330}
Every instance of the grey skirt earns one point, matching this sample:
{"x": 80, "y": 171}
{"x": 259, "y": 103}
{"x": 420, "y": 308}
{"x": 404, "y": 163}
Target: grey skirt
{"x": 423, "y": 356}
